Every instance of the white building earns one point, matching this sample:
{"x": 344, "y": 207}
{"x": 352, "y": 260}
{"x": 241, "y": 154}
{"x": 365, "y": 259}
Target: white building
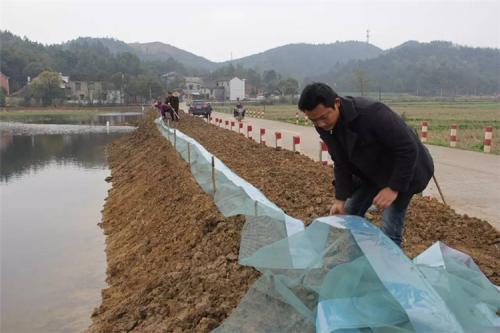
{"x": 193, "y": 85}
{"x": 236, "y": 89}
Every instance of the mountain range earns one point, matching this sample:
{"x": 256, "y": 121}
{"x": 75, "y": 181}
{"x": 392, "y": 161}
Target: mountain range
{"x": 433, "y": 68}
{"x": 294, "y": 60}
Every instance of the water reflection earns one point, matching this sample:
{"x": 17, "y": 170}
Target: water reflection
{"x": 22, "y": 153}
{"x": 52, "y": 190}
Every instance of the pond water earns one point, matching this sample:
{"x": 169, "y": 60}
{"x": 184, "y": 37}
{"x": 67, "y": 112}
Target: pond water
{"x": 77, "y": 118}
{"x": 52, "y": 190}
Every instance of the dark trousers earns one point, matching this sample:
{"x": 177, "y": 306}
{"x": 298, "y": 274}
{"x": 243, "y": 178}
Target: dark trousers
{"x": 173, "y": 115}
{"x": 393, "y": 217}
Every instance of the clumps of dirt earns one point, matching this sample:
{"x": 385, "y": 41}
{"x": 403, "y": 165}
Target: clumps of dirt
{"x": 429, "y": 221}
{"x": 173, "y": 258}
{"x": 295, "y": 183}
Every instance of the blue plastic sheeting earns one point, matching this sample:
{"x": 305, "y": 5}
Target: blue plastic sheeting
{"x": 340, "y": 274}
{"x": 467, "y": 292}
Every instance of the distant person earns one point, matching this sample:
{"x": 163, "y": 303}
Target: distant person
{"x": 168, "y": 108}
{"x": 239, "y": 105}
{"x": 158, "y": 106}
{"x": 378, "y": 159}
{"x": 174, "y": 102}
{"x": 239, "y": 111}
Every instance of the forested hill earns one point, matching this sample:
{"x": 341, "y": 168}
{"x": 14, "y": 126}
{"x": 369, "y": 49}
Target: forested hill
{"x": 435, "y": 68}
{"x": 162, "y": 51}
{"x": 82, "y": 59}
{"x": 302, "y": 60}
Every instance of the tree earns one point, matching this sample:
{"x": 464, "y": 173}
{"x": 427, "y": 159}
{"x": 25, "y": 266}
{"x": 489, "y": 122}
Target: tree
{"x": 361, "y": 80}
{"x": 270, "y": 75}
{"x": 253, "y": 78}
{"x": 2, "y": 98}
{"x": 33, "y": 69}
{"x": 46, "y": 87}
{"x": 289, "y": 86}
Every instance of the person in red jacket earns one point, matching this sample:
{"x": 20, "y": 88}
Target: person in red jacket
{"x": 377, "y": 158}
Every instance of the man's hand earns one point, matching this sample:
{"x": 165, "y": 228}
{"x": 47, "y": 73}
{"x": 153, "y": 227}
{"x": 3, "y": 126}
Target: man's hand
{"x": 385, "y": 198}
{"x": 338, "y": 208}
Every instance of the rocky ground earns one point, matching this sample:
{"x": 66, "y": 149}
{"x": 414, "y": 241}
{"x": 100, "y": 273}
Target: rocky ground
{"x": 173, "y": 258}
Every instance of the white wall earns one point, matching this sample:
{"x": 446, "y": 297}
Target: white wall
{"x": 236, "y": 89}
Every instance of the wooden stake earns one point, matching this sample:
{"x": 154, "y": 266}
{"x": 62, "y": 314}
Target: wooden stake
{"x": 213, "y": 174}
{"x": 175, "y": 137}
{"x": 439, "y": 189}
{"x": 189, "y": 153}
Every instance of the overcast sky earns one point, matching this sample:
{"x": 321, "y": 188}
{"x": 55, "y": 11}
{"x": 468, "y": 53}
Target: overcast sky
{"x": 218, "y": 30}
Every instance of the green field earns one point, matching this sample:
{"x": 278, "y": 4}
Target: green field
{"x": 471, "y": 116}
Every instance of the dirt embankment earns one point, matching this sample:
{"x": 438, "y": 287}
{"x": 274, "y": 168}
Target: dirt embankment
{"x": 172, "y": 257}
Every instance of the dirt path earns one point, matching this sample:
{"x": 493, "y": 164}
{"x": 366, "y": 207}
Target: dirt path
{"x": 172, "y": 257}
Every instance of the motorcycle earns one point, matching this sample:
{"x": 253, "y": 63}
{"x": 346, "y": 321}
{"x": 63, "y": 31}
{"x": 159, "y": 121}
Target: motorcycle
{"x": 239, "y": 113}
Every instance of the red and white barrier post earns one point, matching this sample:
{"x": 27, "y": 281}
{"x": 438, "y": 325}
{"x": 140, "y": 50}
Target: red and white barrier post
{"x": 453, "y": 135}
{"x": 240, "y": 128}
{"x": 226, "y": 124}
{"x": 277, "y": 137}
{"x": 488, "y": 136}
{"x": 232, "y": 125}
{"x": 323, "y": 152}
{"x": 296, "y": 144}
{"x": 297, "y": 118}
{"x": 424, "y": 131}
{"x": 262, "y": 138}
{"x": 249, "y": 131}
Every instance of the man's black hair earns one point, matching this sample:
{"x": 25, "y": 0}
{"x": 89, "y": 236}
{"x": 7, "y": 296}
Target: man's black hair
{"x": 317, "y": 93}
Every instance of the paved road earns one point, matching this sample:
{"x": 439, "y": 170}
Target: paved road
{"x": 470, "y": 181}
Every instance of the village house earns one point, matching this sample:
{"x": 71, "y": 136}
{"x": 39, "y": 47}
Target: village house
{"x": 92, "y": 92}
{"x": 4, "y": 83}
{"x": 229, "y": 89}
{"x": 236, "y": 89}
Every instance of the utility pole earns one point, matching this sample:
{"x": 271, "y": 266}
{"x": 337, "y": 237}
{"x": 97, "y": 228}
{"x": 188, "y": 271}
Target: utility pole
{"x": 123, "y": 90}
{"x": 367, "y": 36}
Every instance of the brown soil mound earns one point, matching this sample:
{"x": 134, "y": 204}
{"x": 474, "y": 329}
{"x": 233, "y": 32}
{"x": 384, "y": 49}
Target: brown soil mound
{"x": 172, "y": 257}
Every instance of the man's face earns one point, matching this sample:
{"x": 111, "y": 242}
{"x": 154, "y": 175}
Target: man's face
{"x": 325, "y": 117}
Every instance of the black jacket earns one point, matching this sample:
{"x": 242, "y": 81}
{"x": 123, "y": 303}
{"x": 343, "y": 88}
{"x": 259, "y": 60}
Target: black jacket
{"x": 372, "y": 142}
{"x": 174, "y": 101}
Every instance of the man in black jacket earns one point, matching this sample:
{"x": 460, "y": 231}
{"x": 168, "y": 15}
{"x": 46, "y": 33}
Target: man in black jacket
{"x": 377, "y": 158}
{"x": 174, "y": 103}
